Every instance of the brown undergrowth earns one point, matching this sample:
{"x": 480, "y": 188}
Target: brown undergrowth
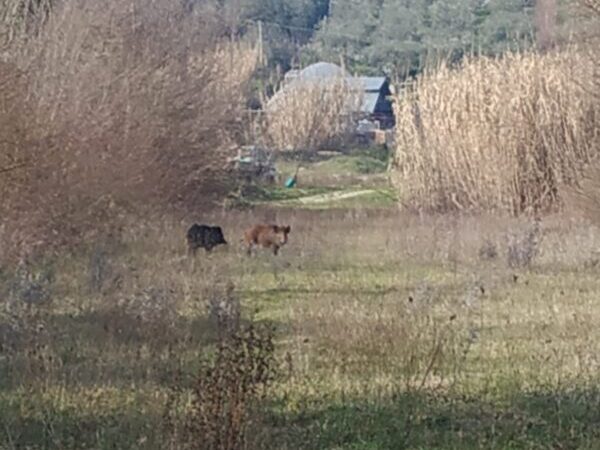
{"x": 114, "y": 109}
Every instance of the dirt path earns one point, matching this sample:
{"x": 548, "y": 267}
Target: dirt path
{"x": 329, "y": 197}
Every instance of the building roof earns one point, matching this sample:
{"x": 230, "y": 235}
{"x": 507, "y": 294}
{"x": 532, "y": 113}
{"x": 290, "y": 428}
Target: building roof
{"x": 369, "y": 102}
{"x": 325, "y": 70}
{"x": 372, "y": 84}
{"x": 320, "y": 72}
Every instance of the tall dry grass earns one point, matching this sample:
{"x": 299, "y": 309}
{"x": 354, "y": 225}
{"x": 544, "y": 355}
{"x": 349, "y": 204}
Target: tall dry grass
{"x": 593, "y": 5}
{"x": 310, "y": 114}
{"x": 115, "y": 108}
{"x": 496, "y": 134}
{"x": 585, "y": 197}
{"x": 18, "y": 18}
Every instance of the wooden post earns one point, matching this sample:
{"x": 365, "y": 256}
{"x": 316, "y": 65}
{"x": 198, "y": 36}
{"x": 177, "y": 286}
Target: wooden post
{"x": 260, "y": 44}
{"x": 545, "y": 23}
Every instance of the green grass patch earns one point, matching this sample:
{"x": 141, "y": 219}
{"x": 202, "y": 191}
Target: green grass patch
{"x": 266, "y": 194}
{"x": 356, "y": 164}
{"x": 341, "y": 171}
{"x": 378, "y": 152}
{"x": 422, "y": 421}
{"x": 344, "y": 199}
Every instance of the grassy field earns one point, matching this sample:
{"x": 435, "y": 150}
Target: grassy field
{"x": 358, "y": 179}
{"x": 390, "y": 331}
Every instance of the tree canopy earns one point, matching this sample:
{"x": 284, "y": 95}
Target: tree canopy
{"x": 396, "y": 37}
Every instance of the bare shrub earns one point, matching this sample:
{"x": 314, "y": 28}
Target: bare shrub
{"x": 99, "y": 269}
{"x": 309, "y": 114}
{"x": 224, "y": 310}
{"x": 524, "y": 247}
{"x": 226, "y": 391}
{"x": 488, "y": 251}
{"x": 117, "y": 108}
{"x": 497, "y": 134}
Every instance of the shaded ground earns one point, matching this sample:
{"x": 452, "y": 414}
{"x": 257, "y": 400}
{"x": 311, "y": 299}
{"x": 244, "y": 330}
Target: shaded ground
{"x": 527, "y": 420}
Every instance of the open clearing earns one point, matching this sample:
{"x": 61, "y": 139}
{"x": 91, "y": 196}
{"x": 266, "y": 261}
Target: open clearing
{"x": 346, "y": 182}
{"x": 330, "y": 197}
{"x": 391, "y": 331}
{"x": 325, "y": 198}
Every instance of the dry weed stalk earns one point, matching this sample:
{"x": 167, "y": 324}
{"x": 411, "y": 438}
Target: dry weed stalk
{"x": 115, "y": 107}
{"x": 309, "y": 114}
{"x": 498, "y": 134}
{"x": 593, "y": 5}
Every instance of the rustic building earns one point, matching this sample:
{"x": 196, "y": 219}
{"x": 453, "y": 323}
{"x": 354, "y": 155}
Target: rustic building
{"x": 374, "y": 92}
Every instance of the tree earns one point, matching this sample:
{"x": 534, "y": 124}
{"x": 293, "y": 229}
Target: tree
{"x": 393, "y": 36}
{"x": 398, "y": 40}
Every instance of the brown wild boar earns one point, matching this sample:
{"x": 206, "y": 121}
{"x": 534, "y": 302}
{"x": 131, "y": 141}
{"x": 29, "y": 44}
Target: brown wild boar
{"x": 266, "y": 236}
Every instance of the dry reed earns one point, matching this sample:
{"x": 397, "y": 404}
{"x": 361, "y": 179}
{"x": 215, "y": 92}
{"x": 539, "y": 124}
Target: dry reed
{"x": 585, "y": 197}
{"x": 593, "y": 5}
{"x": 497, "y": 134}
{"x": 310, "y": 114}
{"x": 21, "y": 17}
